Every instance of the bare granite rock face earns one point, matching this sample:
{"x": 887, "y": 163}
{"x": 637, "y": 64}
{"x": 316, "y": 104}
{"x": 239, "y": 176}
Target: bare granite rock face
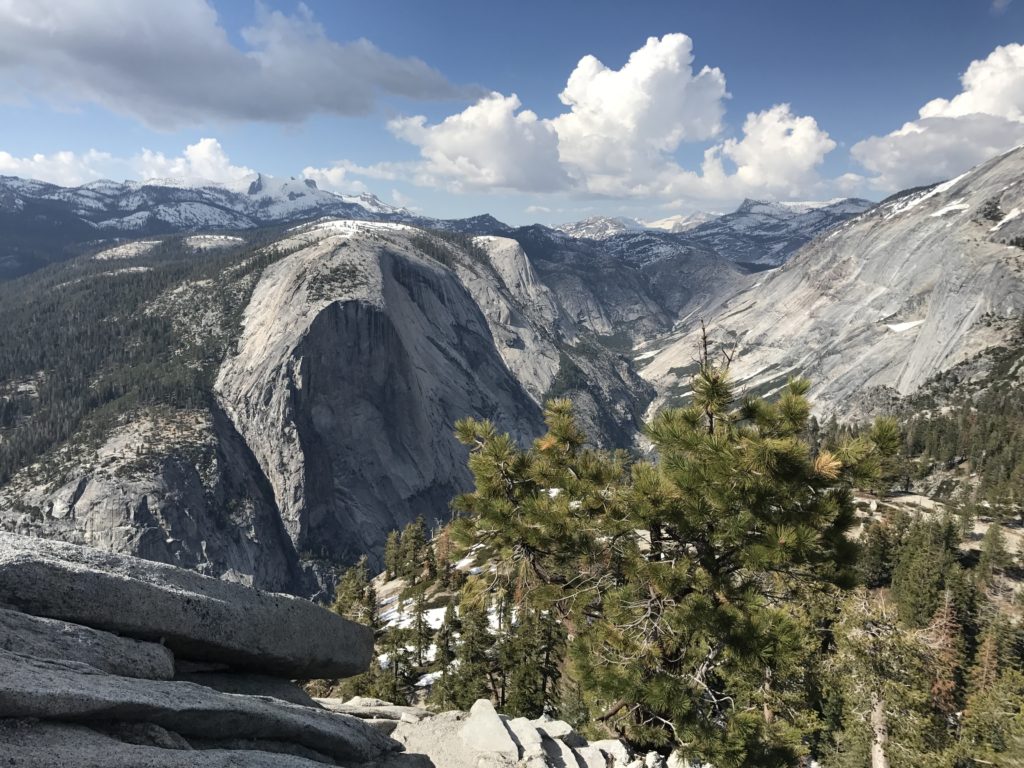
{"x": 32, "y": 744}
{"x": 482, "y": 738}
{"x": 177, "y": 487}
{"x": 883, "y": 302}
{"x": 61, "y": 641}
{"x": 72, "y": 692}
{"x": 249, "y": 684}
{"x": 358, "y": 353}
{"x": 75, "y": 695}
{"x": 196, "y": 616}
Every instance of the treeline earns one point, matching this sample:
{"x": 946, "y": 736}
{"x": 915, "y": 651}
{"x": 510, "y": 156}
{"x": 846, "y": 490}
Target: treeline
{"x": 714, "y": 602}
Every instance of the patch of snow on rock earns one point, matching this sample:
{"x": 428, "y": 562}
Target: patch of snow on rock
{"x": 1007, "y": 219}
{"x": 127, "y": 250}
{"x": 901, "y": 327}
{"x": 957, "y": 205}
{"x": 211, "y": 242}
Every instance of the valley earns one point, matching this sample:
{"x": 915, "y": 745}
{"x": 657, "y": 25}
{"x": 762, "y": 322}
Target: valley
{"x": 307, "y": 407}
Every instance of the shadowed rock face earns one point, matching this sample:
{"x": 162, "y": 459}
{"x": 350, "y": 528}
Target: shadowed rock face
{"x": 197, "y": 500}
{"x": 56, "y": 640}
{"x": 348, "y": 398}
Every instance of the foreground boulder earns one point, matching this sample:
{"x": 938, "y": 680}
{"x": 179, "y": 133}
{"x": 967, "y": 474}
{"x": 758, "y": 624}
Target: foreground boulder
{"x": 482, "y": 738}
{"x": 195, "y": 616}
{"x": 74, "y": 692}
{"x": 60, "y": 745}
{"x": 61, "y": 641}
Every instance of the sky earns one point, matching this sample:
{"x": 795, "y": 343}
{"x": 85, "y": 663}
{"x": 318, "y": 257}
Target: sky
{"x": 532, "y": 111}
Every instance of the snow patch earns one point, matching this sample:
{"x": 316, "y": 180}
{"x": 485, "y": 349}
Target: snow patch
{"x": 211, "y": 242}
{"x": 1007, "y": 218}
{"x": 957, "y": 205}
{"x": 127, "y": 250}
{"x": 901, "y": 327}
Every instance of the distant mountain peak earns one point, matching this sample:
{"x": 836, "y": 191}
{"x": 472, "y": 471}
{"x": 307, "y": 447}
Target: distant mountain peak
{"x": 766, "y": 232}
{"x": 600, "y": 227}
{"x": 682, "y": 222}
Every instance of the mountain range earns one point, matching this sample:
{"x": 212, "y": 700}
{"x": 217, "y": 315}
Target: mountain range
{"x": 261, "y": 382}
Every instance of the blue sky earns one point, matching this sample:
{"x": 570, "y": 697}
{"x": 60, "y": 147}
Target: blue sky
{"x": 842, "y": 97}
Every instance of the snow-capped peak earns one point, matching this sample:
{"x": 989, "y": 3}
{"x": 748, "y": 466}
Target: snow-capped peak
{"x": 600, "y": 227}
{"x": 681, "y": 222}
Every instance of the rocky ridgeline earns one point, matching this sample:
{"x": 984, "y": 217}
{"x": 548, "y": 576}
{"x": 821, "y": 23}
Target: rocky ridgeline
{"x": 110, "y": 661}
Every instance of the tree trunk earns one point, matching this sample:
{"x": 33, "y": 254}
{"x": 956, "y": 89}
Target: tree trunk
{"x": 766, "y": 691}
{"x": 879, "y": 733}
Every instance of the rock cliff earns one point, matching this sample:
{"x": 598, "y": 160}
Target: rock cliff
{"x": 882, "y": 303}
{"x": 339, "y": 357}
{"x": 357, "y": 355}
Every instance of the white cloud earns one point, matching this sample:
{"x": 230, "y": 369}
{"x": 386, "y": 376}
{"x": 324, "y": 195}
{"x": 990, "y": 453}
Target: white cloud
{"x": 335, "y": 178}
{"x": 952, "y": 135}
{"x": 778, "y": 153}
{"x": 343, "y": 176}
{"x": 172, "y": 63}
{"x": 403, "y": 200}
{"x": 619, "y": 135}
{"x": 63, "y": 168}
{"x": 991, "y": 86}
{"x": 621, "y": 123}
{"x": 999, "y": 6}
{"x": 491, "y": 144}
{"x": 205, "y": 159}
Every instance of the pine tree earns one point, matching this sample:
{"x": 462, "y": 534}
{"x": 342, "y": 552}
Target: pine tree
{"x": 443, "y": 558}
{"x": 392, "y": 555}
{"x": 944, "y": 638}
{"x": 471, "y": 677}
{"x": 883, "y": 674}
{"x": 927, "y": 554}
{"x": 421, "y": 635}
{"x": 994, "y": 555}
{"x": 681, "y": 579}
{"x": 397, "y": 672}
{"x": 993, "y": 724}
{"x": 354, "y": 596}
{"x": 443, "y": 692}
{"x": 877, "y": 553}
{"x": 371, "y": 611}
{"x": 412, "y": 548}
{"x": 537, "y": 646}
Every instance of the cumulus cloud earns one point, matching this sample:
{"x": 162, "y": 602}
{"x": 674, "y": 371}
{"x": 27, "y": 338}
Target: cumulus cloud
{"x": 952, "y": 135}
{"x": 778, "y": 149}
{"x": 64, "y": 168}
{"x": 619, "y": 135}
{"x": 171, "y": 62}
{"x": 344, "y": 175}
{"x": 621, "y": 123}
{"x": 205, "y": 160}
{"x": 492, "y": 144}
